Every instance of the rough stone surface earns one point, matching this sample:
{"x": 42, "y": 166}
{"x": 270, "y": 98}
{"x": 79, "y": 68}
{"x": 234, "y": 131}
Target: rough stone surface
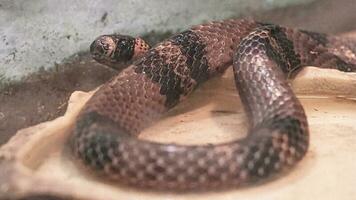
{"x": 39, "y": 35}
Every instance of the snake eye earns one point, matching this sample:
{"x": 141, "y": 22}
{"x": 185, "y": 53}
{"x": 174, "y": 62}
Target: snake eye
{"x": 122, "y": 44}
{"x": 124, "y": 48}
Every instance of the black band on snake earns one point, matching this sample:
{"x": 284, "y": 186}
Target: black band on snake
{"x": 263, "y": 56}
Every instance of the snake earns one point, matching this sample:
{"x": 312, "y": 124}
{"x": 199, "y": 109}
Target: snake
{"x": 264, "y": 58}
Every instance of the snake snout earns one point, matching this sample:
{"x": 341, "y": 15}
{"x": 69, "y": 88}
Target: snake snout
{"x": 113, "y": 50}
{"x": 103, "y": 48}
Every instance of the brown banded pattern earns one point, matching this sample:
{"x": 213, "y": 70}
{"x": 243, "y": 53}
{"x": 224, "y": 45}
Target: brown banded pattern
{"x": 263, "y": 57}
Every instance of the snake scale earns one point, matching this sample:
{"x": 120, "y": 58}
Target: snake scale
{"x": 263, "y": 57}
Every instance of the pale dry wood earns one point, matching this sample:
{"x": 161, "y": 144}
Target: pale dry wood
{"x": 36, "y": 160}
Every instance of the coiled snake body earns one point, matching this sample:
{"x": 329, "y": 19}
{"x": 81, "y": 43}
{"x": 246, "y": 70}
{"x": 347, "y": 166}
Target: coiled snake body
{"x": 263, "y": 57}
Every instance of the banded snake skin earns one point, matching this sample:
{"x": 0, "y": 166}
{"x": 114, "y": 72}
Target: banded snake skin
{"x": 263, "y": 56}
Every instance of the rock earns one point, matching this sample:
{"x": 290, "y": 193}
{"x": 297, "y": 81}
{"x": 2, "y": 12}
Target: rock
{"x": 36, "y": 162}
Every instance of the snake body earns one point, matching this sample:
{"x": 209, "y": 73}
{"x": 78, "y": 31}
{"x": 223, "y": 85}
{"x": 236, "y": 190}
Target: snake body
{"x": 263, "y": 57}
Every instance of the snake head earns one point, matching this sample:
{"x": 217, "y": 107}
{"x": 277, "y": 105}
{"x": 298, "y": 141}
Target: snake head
{"x": 113, "y": 50}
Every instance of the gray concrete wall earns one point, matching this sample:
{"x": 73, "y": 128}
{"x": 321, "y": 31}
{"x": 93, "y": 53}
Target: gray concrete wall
{"x": 38, "y": 34}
